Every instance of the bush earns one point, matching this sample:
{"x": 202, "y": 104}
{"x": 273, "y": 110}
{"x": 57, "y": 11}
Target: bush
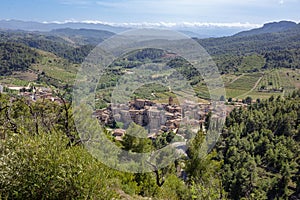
{"x": 41, "y": 167}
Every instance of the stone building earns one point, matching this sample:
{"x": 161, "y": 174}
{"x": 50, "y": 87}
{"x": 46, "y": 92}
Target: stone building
{"x": 156, "y": 118}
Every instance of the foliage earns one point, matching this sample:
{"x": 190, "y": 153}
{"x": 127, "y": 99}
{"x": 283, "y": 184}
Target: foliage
{"x": 16, "y": 57}
{"x": 258, "y": 156}
{"x": 41, "y": 167}
{"x": 261, "y": 150}
{"x": 282, "y": 59}
{"x": 203, "y": 170}
{"x": 41, "y": 158}
{"x": 49, "y": 43}
{"x": 136, "y": 140}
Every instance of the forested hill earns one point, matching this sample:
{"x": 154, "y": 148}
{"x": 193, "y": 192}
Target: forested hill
{"x": 277, "y": 46}
{"x": 260, "y": 149}
{"x": 72, "y": 44}
{"x": 16, "y": 57}
{"x": 260, "y": 42}
{"x": 64, "y": 47}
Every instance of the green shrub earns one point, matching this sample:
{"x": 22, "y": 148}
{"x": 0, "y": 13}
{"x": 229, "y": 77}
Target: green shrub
{"x": 41, "y": 167}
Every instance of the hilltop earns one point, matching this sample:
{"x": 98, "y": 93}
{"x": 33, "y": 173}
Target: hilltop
{"x": 272, "y": 27}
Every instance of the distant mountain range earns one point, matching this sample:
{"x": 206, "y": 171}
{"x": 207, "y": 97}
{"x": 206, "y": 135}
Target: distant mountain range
{"x": 82, "y": 36}
{"x": 46, "y": 27}
{"x": 74, "y": 34}
{"x": 204, "y": 31}
{"x": 199, "y": 31}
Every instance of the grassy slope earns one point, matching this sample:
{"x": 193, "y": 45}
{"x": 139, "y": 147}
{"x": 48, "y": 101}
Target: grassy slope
{"x": 51, "y": 66}
{"x": 56, "y": 67}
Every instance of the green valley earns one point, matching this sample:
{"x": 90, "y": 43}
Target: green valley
{"x": 244, "y": 146}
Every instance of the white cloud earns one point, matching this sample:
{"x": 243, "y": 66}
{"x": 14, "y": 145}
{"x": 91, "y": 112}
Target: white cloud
{"x": 164, "y": 24}
{"x": 75, "y": 2}
{"x": 187, "y": 11}
{"x": 110, "y": 3}
{"x": 185, "y": 3}
{"x": 186, "y": 24}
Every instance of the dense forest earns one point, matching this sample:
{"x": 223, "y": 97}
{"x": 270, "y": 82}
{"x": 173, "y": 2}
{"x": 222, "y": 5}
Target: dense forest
{"x": 280, "y": 49}
{"x": 50, "y": 43}
{"x": 257, "y": 157}
{"x": 260, "y": 150}
{"x": 257, "y": 43}
{"x": 16, "y": 57}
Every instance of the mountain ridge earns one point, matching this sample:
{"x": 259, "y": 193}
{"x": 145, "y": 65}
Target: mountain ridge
{"x": 46, "y": 27}
{"x": 83, "y": 36}
{"x": 271, "y": 27}
{"x": 205, "y": 31}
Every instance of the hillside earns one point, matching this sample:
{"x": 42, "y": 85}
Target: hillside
{"x": 257, "y": 43}
{"x": 56, "y": 44}
{"x": 272, "y": 27}
{"x": 83, "y": 36}
{"x": 46, "y": 27}
{"x": 260, "y": 148}
{"x": 238, "y": 58}
{"x": 16, "y": 57}
{"x": 279, "y": 48}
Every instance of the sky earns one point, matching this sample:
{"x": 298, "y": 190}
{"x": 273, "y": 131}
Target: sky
{"x": 168, "y": 12}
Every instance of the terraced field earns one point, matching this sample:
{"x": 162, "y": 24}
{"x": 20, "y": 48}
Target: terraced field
{"x": 290, "y": 80}
{"x": 56, "y": 68}
{"x": 279, "y": 82}
{"x": 270, "y": 81}
{"x": 256, "y": 84}
{"x": 244, "y": 84}
{"x": 276, "y": 82}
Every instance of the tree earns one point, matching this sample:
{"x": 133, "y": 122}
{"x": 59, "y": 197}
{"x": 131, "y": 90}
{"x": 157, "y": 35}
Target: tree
{"x": 135, "y": 139}
{"x": 259, "y": 150}
{"x": 207, "y": 120}
{"x": 222, "y": 98}
{"x": 248, "y": 100}
{"x": 203, "y": 170}
{"x": 41, "y": 167}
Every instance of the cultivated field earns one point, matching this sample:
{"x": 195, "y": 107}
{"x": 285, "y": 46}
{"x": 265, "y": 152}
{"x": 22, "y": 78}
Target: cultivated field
{"x": 262, "y": 85}
{"x": 242, "y": 85}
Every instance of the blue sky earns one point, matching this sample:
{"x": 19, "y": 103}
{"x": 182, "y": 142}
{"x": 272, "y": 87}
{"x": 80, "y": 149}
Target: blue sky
{"x": 138, "y": 11}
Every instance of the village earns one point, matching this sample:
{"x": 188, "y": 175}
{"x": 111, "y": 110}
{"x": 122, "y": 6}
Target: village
{"x": 32, "y": 92}
{"x": 159, "y": 118}
{"x": 156, "y": 118}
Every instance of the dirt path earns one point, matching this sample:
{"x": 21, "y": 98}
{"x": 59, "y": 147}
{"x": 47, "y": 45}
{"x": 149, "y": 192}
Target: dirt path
{"x": 253, "y": 88}
{"x": 256, "y": 84}
{"x": 236, "y": 78}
